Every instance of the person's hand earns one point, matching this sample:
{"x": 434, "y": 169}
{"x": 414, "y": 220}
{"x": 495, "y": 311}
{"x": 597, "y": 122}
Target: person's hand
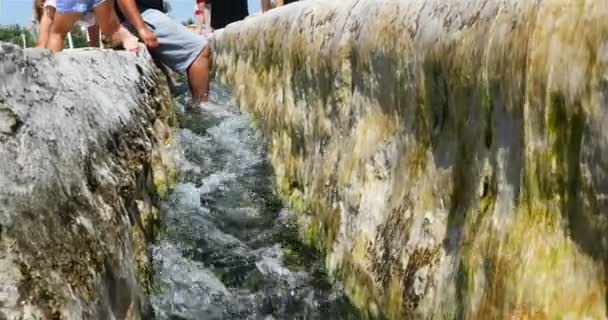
{"x": 148, "y": 37}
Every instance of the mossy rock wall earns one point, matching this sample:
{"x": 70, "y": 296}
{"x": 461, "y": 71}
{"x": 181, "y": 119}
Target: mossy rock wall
{"x": 450, "y": 157}
{"x": 84, "y": 151}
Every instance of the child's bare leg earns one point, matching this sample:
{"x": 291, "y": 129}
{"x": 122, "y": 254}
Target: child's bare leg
{"x": 108, "y": 23}
{"x": 265, "y": 5}
{"x": 61, "y": 26}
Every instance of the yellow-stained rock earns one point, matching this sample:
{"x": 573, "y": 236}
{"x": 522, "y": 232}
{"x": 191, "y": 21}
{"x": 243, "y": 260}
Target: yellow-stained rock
{"x": 450, "y": 157}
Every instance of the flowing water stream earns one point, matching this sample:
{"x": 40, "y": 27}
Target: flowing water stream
{"x": 228, "y": 249}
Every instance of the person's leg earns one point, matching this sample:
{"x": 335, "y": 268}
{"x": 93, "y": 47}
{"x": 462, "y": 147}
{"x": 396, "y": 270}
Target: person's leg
{"x": 46, "y": 22}
{"x": 93, "y": 32}
{"x": 207, "y": 18}
{"x": 200, "y": 21}
{"x": 62, "y": 24}
{"x": 265, "y": 5}
{"x": 198, "y": 76}
{"x": 109, "y": 26}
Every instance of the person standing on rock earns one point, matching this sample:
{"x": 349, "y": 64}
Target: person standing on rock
{"x": 70, "y": 11}
{"x": 203, "y": 18}
{"x": 171, "y": 43}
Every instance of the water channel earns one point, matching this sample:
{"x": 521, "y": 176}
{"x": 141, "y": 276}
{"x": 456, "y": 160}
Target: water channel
{"x": 228, "y": 248}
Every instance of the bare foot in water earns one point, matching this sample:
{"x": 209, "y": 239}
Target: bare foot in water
{"x": 129, "y": 41}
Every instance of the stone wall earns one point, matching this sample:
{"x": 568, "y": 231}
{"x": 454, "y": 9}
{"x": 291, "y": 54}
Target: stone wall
{"x": 450, "y": 157}
{"x": 83, "y": 154}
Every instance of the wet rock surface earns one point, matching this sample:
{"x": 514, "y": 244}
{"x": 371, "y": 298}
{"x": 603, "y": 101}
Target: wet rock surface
{"x": 82, "y": 145}
{"x": 448, "y": 156}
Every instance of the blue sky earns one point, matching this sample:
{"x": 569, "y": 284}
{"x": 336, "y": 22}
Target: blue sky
{"x": 20, "y": 11}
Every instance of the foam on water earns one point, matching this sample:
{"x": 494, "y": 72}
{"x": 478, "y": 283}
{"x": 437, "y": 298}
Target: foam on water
{"x": 228, "y": 250}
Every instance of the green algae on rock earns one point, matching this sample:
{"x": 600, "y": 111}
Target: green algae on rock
{"x": 449, "y": 157}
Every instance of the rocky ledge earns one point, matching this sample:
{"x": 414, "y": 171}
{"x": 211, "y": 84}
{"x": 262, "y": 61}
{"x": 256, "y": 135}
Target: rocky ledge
{"x": 450, "y": 157}
{"x": 83, "y": 155}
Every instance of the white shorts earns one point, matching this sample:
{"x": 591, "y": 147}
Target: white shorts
{"x": 87, "y": 19}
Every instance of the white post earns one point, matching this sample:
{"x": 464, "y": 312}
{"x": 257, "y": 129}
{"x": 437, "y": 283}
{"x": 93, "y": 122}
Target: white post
{"x": 70, "y": 42}
{"x": 100, "y": 40}
{"x": 24, "y": 41}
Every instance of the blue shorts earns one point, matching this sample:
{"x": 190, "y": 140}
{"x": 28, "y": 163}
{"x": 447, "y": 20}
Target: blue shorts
{"x": 178, "y": 46}
{"x": 77, "y": 6}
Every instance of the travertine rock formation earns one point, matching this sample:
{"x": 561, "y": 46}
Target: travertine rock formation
{"x": 83, "y": 140}
{"x": 450, "y": 157}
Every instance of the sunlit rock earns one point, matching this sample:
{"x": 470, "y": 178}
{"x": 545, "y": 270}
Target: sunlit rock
{"x": 83, "y": 138}
{"x": 449, "y": 156}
